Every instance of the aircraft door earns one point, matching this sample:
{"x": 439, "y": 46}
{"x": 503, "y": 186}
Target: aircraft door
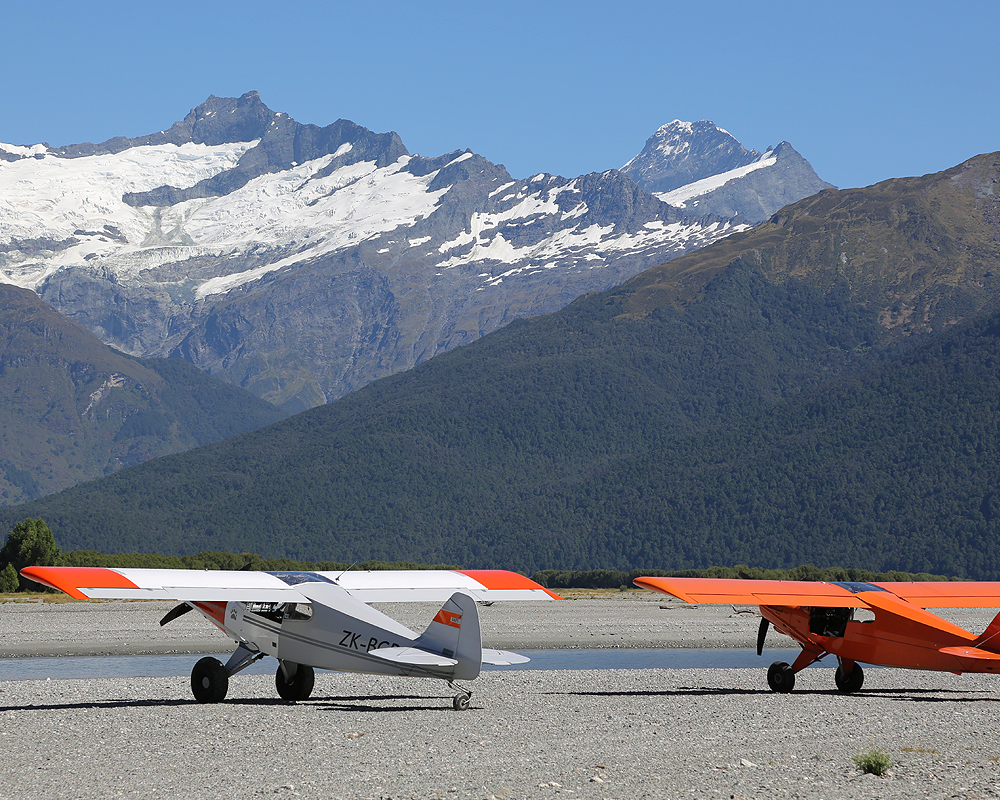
{"x": 824, "y": 621}
{"x": 257, "y": 624}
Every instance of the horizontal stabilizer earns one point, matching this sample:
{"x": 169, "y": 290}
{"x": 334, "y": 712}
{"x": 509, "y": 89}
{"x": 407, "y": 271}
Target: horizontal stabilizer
{"x": 412, "y": 655}
{"x": 973, "y": 653}
{"x": 503, "y": 657}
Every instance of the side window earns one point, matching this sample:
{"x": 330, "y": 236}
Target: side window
{"x": 271, "y": 611}
{"x": 298, "y": 611}
{"x": 829, "y": 621}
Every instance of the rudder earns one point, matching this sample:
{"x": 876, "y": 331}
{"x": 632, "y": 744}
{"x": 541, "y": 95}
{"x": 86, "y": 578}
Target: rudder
{"x": 455, "y": 633}
{"x": 990, "y": 638}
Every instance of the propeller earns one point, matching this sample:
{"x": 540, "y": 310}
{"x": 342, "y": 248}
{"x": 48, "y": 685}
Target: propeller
{"x": 761, "y": 633}
{"x": 174, "y": 613}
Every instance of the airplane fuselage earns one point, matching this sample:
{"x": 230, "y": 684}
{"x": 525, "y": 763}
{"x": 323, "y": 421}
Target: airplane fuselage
{"x": 335, "y": 632}
{"x": 915, "y": 639}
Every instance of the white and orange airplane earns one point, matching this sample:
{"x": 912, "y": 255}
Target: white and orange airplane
{"x": 821, "y": 617}
{"x": 322, "y": 620}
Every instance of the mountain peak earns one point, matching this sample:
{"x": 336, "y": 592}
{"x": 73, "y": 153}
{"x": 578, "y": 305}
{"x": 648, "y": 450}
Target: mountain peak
{"x": 680, "y": 153}
{"x": 218, "y": 120}
{"x": 704, "y": 168}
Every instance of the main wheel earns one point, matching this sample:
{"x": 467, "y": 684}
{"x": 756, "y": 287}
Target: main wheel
{"x": 209, "y": 681}
{"x": 299, "y": 687}
{"x": 460, "y": 702}
{"x": 849, "y": 683}
{"x": 780, "y": 677}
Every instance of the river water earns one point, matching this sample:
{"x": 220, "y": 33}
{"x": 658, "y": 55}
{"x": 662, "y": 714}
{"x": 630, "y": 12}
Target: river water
{"x": 64, "y": 667}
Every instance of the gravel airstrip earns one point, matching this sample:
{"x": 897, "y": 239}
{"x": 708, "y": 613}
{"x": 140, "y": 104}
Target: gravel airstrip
{"x": 642, "y": 733}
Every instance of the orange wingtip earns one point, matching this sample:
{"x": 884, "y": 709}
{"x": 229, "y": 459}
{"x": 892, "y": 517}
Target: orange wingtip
{"x": 504, "y": 579}
{"x": 72, "y": 579}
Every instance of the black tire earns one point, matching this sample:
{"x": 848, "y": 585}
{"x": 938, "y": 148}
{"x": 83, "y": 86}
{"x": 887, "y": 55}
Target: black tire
{"x": 849, "y": 683}
{"x": 780, "y": 677}
{"x": 460, "y": 702}
{"x": 299, "y": 687}
{"x": 209, "y": 681}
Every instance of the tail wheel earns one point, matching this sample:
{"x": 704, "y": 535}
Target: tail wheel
{"x": 460, "y": 702}
{"x": 209, "y": 681}
{"x": 848, "y": 683}
{"x": 299, "y": 687}
{"x": 780, "y": 677}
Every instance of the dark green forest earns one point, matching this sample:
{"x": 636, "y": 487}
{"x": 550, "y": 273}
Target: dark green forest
{"x": 893, "y": 468}
{"x": 736, "y": 430}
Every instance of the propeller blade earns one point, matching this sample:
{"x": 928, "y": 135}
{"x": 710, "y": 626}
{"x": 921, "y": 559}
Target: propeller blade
{"x": 761, "y": 633}
{"x": 175, "y": 612}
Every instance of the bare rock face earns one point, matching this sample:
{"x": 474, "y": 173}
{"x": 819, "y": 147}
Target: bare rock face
{"x": 302, "y": 262}
{"x": 698, "y": 166}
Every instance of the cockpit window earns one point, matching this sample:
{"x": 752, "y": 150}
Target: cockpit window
{"x": 298, "y": 611}
{"x": 829, "y": 621}
{"x": 277, "y": 612}
{"x": 271, "y": 611}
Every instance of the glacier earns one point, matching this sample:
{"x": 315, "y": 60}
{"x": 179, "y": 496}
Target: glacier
{"x": 303, "y": 262}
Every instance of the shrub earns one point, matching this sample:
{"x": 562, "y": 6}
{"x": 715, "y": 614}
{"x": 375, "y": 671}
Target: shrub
{"x": 874, "y": 761}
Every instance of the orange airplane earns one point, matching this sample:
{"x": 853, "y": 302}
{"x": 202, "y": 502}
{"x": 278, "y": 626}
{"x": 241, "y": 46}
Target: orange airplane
{"x": 821, "y": 617}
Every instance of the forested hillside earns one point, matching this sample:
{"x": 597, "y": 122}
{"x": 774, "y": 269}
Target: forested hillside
{"x": 72, "y": 408}
{"x": 428, "y": 462}
{"x": 820, "y": 390}
{"x": 891, "y": 469}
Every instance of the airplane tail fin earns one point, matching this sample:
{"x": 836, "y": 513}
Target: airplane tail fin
{"x": 454, "y": 633}
{"x": 990, "y": 638}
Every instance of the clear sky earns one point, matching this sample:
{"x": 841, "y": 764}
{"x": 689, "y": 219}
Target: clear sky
{"x": 864, "y": 90}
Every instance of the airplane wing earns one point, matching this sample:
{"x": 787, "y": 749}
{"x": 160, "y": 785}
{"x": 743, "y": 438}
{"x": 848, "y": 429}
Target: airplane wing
{"x": 164, "y": 584}
{"x": 842, "y": 594}
{"x": 431, "y": 585}
{"x": 947, "y": 594}
{"x": 279, "y": 586}
{"x": 727, "y": 591}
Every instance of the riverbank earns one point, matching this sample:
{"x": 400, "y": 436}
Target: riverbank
{"x": 590, "y": 734}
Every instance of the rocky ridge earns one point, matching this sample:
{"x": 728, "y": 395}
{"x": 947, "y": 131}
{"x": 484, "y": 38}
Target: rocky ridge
{"x": 703, "y": 168}
{"x": 302, "y": 262}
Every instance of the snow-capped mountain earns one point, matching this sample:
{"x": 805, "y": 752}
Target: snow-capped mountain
{"x": 302, "y": 262}
{"x": 703, "y": 168}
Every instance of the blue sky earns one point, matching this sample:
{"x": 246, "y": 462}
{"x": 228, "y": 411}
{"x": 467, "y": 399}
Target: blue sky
{"x": 864, "y": 90}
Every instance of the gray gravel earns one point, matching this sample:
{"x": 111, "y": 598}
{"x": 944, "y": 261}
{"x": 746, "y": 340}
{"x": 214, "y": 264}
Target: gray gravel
{"x": 586, "y": 734}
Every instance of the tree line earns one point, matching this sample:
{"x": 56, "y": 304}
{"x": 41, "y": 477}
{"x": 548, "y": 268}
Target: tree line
{"x": 32, "y": 543}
